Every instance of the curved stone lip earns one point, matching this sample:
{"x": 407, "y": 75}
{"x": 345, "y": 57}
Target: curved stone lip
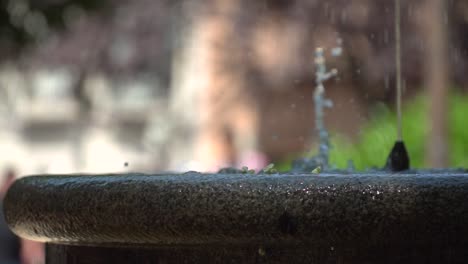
{"x": 329, "y": 210}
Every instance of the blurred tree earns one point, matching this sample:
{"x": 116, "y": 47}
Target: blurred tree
{"x": 437, "y": 80}
{"x": 25, "y": 21}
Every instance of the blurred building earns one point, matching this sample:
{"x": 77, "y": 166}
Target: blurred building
{"x": 47, "y": 128}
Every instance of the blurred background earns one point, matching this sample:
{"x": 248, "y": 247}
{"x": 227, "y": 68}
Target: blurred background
{"x": 170, "y": 85}
{"x": 114, "y": 86}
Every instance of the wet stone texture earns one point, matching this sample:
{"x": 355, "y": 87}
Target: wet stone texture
{"x": 213, "y": 218}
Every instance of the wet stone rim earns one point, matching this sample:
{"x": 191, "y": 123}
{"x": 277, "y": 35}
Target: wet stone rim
{"x": 365, "y": 211}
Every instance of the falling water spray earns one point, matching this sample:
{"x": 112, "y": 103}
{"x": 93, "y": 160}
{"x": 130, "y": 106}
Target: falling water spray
{"x": 398, "y": 159}
{"x": 398, "y": 66}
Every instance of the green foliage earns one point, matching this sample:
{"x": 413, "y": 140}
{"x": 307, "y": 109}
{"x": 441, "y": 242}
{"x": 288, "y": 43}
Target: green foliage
{"x": 458, "y": 133}
{"x": 378, "y": 136}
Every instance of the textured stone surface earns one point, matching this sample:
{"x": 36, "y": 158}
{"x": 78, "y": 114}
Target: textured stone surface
{"x": 324, "y": 215}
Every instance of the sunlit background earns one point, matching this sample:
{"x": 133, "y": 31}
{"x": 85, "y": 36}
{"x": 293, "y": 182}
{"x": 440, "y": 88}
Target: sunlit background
{"x": 115, "y": 86}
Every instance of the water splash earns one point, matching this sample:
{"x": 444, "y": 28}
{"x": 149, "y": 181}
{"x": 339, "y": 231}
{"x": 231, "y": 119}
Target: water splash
{"x": 322, "y": 75}
{"x": 320, "y": 101}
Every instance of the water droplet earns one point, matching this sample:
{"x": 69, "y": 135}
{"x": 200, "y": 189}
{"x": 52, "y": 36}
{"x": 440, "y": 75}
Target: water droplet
{"x": 262, "y": 252}
{"x": 335, "y": 52}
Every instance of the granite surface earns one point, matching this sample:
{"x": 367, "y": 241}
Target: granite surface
{"x": 324, "y": 213}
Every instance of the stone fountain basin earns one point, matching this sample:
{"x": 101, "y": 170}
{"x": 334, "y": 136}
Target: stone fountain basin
{"x": 347, "y": 216}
